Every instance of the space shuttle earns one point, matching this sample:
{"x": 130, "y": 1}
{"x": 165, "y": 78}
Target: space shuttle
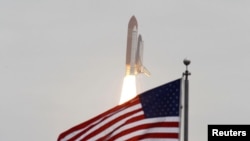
{"x": 134, "y": 54}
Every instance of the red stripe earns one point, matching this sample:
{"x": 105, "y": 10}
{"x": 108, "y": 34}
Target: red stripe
{"x": 145, "y": 126}
{"x": 101, "y": 116}
{"x": 88, "y": 128}
{"x": 110, "y": 123}
{"x": 154, "y": 135}
{"x": 134, "y": 119}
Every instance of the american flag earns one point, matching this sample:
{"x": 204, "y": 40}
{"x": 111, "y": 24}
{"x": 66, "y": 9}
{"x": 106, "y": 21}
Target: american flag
{"x": 152, "y": 115}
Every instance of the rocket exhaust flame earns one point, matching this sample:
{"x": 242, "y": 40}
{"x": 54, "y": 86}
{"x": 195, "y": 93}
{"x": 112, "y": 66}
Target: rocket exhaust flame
{"x": 128, "y": 89}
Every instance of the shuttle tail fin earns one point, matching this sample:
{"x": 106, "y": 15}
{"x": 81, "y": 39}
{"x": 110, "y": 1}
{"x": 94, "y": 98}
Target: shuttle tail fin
{"x": 145, "y": 71}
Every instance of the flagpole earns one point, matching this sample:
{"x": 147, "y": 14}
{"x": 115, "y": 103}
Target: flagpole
{"x": 186, "y": 83}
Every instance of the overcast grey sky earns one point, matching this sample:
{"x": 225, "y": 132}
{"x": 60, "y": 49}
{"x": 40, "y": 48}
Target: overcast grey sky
{"x": 63, "y": 62}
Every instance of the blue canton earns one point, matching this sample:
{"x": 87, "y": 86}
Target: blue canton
{"x": 162, "y": 101}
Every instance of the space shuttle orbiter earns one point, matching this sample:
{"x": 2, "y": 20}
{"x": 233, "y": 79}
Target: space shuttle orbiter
{"x": 134, "y": 55}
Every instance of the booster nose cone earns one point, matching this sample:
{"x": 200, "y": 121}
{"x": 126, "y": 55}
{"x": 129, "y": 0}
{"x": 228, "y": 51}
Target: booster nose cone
{"x": 133, "y": 23}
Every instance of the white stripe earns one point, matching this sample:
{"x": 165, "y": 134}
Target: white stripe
{"x": 66, "y": 138}
{"x": 149, "y": 130}
{"x": 145, "y": 121}
{"x": 112, "y": 117}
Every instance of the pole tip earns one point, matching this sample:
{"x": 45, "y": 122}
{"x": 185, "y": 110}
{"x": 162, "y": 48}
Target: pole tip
{"x": 186, "y": 61}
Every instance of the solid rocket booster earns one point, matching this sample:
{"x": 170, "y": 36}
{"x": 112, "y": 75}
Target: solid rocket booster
{"x": 134, "y": 54}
